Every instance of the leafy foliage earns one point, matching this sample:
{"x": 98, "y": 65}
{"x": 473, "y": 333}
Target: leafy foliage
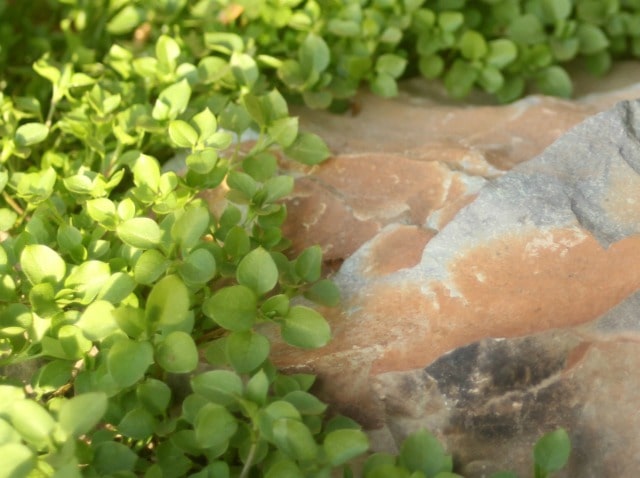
{"x": 117, "y": 281}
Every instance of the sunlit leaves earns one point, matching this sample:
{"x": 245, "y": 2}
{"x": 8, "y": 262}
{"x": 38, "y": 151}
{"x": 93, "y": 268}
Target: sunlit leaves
{"x": 31, "y": 133}
{"x": 233, "y": 308}
{"x": 168, "y": 302}
{"x": 81, "y": 413}
{"x": 128, "y": 360}
{"x": 177, "y": 353}
{"x": 41, "y": 263}
{"x": 140, "y": 232}
{"x": 172, "y": 101}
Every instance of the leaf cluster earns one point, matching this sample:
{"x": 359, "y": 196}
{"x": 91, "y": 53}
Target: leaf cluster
{"x": 140, "y": 314}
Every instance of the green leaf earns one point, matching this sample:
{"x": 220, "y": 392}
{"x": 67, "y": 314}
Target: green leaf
{"x": 128, "y": 361}
{"x": 314, "y": 55}
{"x": 41, "y": 263}
{"x": 97, "y": 321}
{"x": 87, "y": 279}
{"x": 172, "y": 101}
{"x": 342, "y": 446}
{"x": 103, "y": 211}
{"x": 324, "y": 292}
{"x": 308, "y": 265}
{"x": 182, "y": 134}
{"x": 384, "y": 85}
{"x": 37, "y": 187}
{"x": 81, "y": 413}
{"x": 276, "y": 306}
{"x": 140, "y": 232}
{"x": 284, "y": 469}
{"x": 308, "y": 148}
{"x": 191, "y": 226}
{"x": 260, "y": 166}
{"x": 206, "y": 124}
{"x": 277, "y": 188}
{"x": 137, "y": 423}
{"x": 450, "y": 21}
{"x": 246, "y": 350}
{"x": 294, "y": 439}
{"x": 473, "y": 45}
{"x": 592, "y": 39}
{"x": 125, "y": 21}
{"x": 460, "y": 79}
{"x": 111, "y": 457}
{"x": 283, "y": 131}
{"x": 551, "y": 452}
{"x": 258, "y": 271}
{"x": 177, "y": 353}
{"x": 233, "y": 308}
{"x": 258, "y": 388}
{"x": 168, "y": 302}
{"x": 431, "y": 66}
{"x": 214, "y": 426}
{"x": 343, "y": 28}
{"x": 236, "y": 242}
{"x": 198, "y": 267}
{"x": 202, "y": 162}
{"x": 598, "y": 63}
{"x": 31, "y": 133}
{"x": 555, "y": 81}
{"x": 526, "y": 30}
{"x": 306, "y": 328}
{"x": 502, "y": 52}
{"x": 117, "y": 288}
{"x": 23, "y": 460}
{"x": 167, "y": 52}
{"x": 150, "y": 266}
{"x": 219, "y": 386}
{"x": 421, "y": 451}
{"x": 490, "y": 79}
{"x": 52, "y": 376}
{"x": 557, "y": 10}
{"x": 73, "y": 342}
{"x": 154, "y": 395}
{"x": 31, "y": 421}
{"x": 244, "y": 68}
{"x": 564, "y": 49}
{"x": 392, "y": 65}
{"x": 305, "y": 403}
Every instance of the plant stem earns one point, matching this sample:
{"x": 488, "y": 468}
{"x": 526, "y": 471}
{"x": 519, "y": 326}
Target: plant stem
{"x": 247, "y": 466}
{"x": 14, "y": 205}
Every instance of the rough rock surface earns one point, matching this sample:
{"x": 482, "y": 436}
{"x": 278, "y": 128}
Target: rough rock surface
{"x": 479, "y": 298}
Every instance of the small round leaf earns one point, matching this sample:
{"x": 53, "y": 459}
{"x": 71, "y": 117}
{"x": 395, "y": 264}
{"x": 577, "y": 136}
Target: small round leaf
{"x": 233, "y": 308}
{"x": 177, "y": 353}
{"x": 306, "y": 328}
{"x": 246, "y": 350}
{"x": 140, "y": 232}
{"x": 258, "y": 271}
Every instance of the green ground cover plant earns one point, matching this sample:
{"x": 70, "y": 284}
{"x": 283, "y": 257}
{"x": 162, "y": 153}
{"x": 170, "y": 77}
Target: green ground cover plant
{"x": 118, "y": 282}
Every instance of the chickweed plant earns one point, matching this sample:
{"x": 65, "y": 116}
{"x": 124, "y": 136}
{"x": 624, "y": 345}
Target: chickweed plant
{"x": 132, "y": 311}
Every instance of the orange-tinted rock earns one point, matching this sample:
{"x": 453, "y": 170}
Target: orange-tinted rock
{"x": 467, "y": 247}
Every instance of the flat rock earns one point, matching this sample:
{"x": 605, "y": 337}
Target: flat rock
{"x": 467, "y": 265}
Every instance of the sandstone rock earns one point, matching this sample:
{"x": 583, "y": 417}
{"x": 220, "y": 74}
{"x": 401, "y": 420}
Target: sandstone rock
{"x": 456, "y": 270}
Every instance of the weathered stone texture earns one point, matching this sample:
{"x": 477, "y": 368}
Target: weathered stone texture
{"x": 483, "y": 290}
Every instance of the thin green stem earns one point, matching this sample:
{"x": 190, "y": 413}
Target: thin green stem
{"x": 249, "y": 463}
{"x": 11, "y": 202}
